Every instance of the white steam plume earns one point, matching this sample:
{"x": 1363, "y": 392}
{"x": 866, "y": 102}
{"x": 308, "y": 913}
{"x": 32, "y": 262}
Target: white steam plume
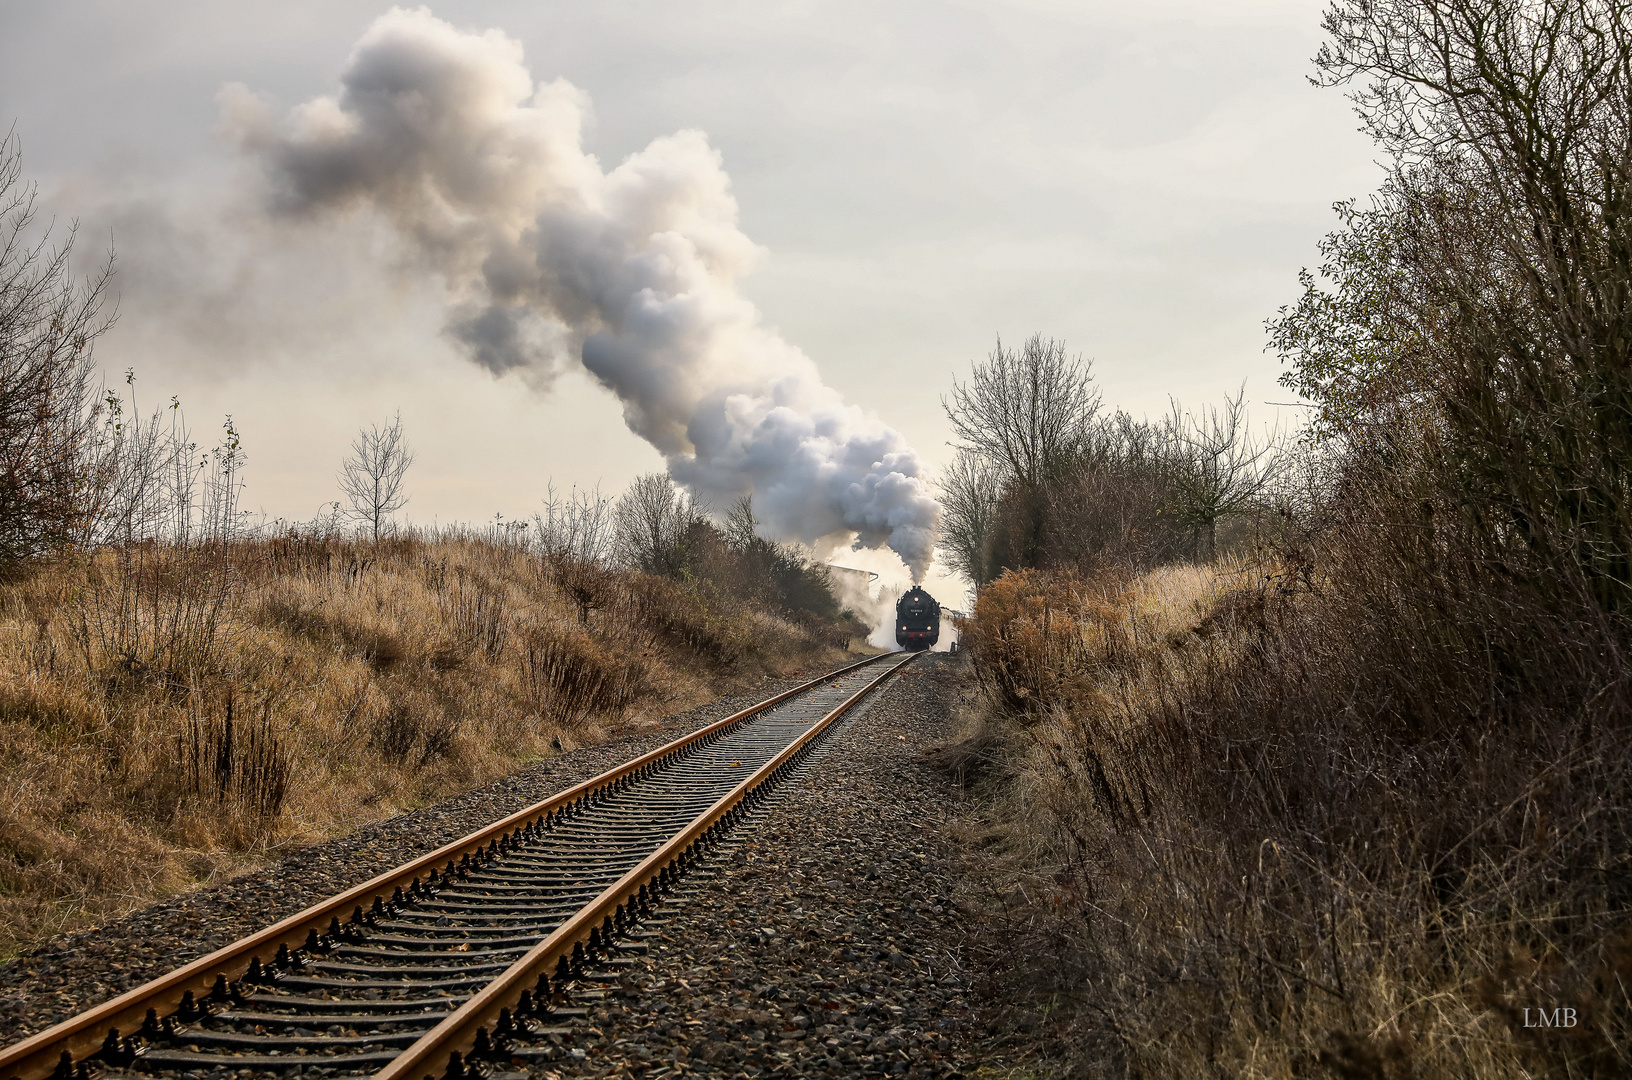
{"x": 544, "y": 255}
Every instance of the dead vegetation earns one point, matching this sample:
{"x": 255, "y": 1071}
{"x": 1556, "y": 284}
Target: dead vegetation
{"x": 1364, "y": 809}
{"x": 1258, "y": 830}
{"x": 170, "y": 713}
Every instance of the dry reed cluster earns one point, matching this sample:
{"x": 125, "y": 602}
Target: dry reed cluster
{"x": 171, "y": 713}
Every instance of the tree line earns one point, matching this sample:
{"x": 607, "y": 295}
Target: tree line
{"x": 1046, "y": 477}
{"x": 654, "y": 527}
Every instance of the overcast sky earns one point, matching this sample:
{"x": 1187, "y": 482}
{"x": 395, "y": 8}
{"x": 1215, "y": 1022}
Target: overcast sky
{"x": 1142, "y": 180}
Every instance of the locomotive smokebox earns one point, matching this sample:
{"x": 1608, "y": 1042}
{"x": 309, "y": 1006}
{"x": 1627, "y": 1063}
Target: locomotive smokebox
{"x": 917, "y": 620}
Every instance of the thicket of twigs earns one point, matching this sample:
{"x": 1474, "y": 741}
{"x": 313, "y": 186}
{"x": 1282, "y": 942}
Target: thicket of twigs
{"x": 1360, "y": 806}
{"x": 1045, "y": 477}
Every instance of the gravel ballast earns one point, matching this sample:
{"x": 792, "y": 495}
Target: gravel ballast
{"x": 820, "y": 940}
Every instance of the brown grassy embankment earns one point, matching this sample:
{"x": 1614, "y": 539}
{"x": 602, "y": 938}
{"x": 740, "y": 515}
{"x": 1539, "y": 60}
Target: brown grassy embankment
{"x": 170, "y": 715}
{"x": 1245, "y": 822}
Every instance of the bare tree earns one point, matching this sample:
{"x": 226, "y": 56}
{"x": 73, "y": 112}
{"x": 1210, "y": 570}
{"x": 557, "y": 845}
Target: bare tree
{"x": 223, "y": 484}
{"x": 48, "y": 324}
{"x": 149, "y": 480}
{"x": 970, "y": 492}
{"x": 741, "y": 526}
{"x": 1217, "y": 467}
{"x": 184, "y": 467}
{"x": 653, "y": 518}
{"x": 1025, "y": 412}
{"x": 127, "y": 462}
{"x": 1508, "y": 212}
{"x": 372, "y": 478}
{"x": 1027, "y": 415}
{"x": 575, "y": 537}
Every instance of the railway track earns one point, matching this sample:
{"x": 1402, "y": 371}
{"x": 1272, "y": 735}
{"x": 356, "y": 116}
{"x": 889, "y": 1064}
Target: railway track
{"x": 467, "y": 961}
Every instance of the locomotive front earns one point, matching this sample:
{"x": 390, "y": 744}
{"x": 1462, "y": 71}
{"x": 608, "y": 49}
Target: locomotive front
{"x": 917, "y": 620}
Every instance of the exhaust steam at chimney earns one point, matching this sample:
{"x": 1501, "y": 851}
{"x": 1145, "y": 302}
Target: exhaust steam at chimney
{"x": 546, "y": 258}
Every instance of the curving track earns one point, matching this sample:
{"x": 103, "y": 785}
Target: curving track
{"x": 473, "y": 952}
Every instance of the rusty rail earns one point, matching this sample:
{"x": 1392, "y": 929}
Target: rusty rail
{"x": 442, "y": 1049}
{"x": 55, "y": 1051}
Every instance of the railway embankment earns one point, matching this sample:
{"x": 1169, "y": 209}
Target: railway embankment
{"x": 1262, "y": 819}
{"x": 172, "y": 716}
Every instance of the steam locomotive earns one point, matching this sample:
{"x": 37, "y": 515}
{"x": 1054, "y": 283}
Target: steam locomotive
{"x": 917, "y": 620}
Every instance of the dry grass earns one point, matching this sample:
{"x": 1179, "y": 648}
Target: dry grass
{"x": 1047, "y": 637}
{"x": 1242, "y": 830}
{"x": 172, "y": 715}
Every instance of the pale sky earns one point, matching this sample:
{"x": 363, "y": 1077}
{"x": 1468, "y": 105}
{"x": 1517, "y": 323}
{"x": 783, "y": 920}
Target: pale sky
{"x": 1141, "y": 180}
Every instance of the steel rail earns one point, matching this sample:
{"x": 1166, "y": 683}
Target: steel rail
{"x": 41, "y": 1055}
{"x": 444, "y": 1047}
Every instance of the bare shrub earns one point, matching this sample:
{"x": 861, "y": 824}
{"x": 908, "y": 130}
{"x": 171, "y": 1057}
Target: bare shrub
{"x": 158, "y": 609}
{"x": 1216, "y": 468}
{"x": 413, "y": 733}
{"x": 398, "y": 733}
{"x": 575, "y": 538}
{"x": 243, "y": 766}
{"x": 156, "y": 606}
{"x": 478, "y": 613}
{"x": 571, "y": 676}
{"x": 587, "y": 585}
{"x": 582, "y": 526}
{"x": 1033, "y": 637}
{"x": 653, "y": 520}
{"x": 1474, "y": 323}
{"x": 439, "y": 739}
{"x": 665, "y": 612}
